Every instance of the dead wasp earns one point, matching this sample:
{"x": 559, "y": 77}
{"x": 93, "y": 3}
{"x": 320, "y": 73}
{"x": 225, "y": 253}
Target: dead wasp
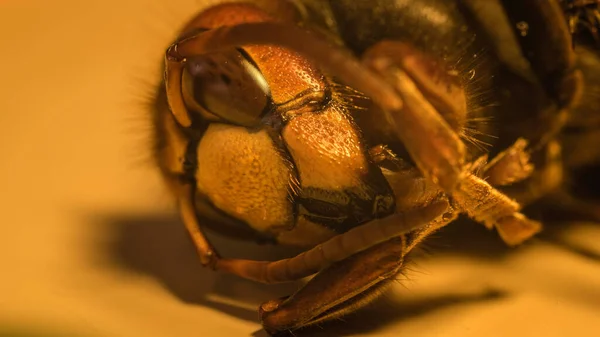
{"x": 357, "y": 128}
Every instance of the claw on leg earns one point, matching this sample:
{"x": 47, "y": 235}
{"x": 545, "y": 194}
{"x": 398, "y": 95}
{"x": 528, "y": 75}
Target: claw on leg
{"x": 208, "y": 255}
{"x": 483, "y": 203}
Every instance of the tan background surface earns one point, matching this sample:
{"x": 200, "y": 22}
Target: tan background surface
{"x": 89, "y": 245}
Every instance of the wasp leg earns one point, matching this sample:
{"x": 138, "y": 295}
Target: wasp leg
{"x": 310, "y": 262}
{"x": 434, "y": 104}
{"x": 341, "y": 288}
{"x": 542, "y": 33}
{"x": 208, "y": 255}
{"x": 545, "y": 179}
{"x": 509, "y": 166}
{"x": 346, "y": 285}
{"x": 483, "y": 203}
{"x": 337, "y": 248}
{"x": 544, "y": 37}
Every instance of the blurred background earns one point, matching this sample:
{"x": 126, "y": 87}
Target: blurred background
{"x": 90, "y": 244}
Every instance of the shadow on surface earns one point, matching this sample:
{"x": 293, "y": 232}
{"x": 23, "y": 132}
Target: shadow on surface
{"x": 158, "y": 246}
{"x": 579, "y": 250}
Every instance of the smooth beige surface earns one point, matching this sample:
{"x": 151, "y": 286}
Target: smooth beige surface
{"x": 89, "y": 246}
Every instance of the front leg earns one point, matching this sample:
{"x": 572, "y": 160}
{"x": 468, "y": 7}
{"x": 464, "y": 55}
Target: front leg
{"x": 313, "y": 260}
{"x": 344, "y": 286}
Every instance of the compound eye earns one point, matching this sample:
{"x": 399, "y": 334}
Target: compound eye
{"x": 227, "y": 85}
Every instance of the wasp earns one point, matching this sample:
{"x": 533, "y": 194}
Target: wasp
{"x": 357, "y": 128}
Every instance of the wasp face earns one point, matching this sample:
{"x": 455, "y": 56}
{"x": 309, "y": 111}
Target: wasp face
{"x": 275, "y": 145}
{"x": 278, "y": 149}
